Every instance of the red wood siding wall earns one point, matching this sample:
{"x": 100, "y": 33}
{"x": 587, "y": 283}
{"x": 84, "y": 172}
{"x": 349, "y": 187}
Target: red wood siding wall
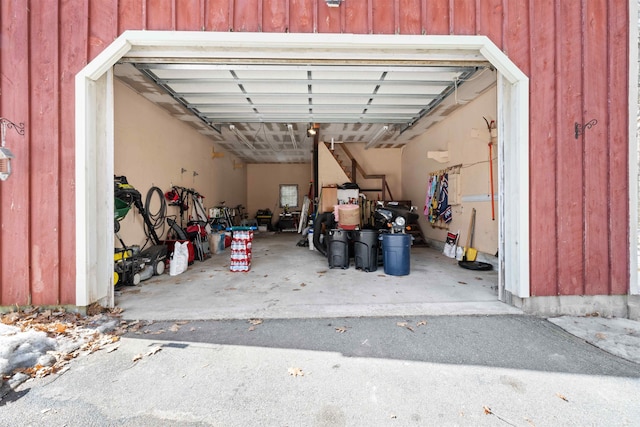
{"x": 575, "y": 52}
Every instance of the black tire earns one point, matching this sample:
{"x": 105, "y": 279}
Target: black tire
{"x": 328, "y": 221}
{"x": 475, "y": 265}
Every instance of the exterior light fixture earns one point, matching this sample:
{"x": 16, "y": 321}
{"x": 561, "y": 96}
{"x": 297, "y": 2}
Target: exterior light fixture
{"x": 333, "y": 3}
{"x": 293, "y": 136}
{"x": 311, "y": 131}
{"x": 376, "y": 136}
{"x": 241, "y": 137}
{"x": 5, "y": 154}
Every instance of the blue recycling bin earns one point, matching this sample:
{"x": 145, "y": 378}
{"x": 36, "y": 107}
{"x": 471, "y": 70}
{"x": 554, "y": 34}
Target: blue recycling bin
{"x": 396, "y": 253}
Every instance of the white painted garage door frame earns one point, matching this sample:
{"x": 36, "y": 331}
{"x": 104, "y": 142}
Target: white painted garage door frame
{"x": 95, "y": 128}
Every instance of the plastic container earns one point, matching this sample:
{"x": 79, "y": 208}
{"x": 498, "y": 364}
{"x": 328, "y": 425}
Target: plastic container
{"x": 338, "y": 249}
{"x": 396, "y": 253}
{"x": 365, "y": 244}
{"x": 310, "y": 240}
{"x": 241, "y": 249}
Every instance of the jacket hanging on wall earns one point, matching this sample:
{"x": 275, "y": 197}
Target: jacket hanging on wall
{"x": 444, "y": 210}
{"x": 437, "y": 208}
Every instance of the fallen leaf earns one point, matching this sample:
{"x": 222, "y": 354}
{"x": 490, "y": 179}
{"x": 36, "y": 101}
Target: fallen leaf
{"x": 402, "y": 324}
{"x": 393, "y": 416}
{"x": 487, "y": 410}
{"x": 302, "y": 285}
{"x": 461, "y": 282}
{"x": 255, "y": 321}
{"x": 192, "y": 329}
{"x": 341, "y": 330}
{"x": 296, "y": 372}
{"x": 182, "y": 322}
{"x": 562, "y": 397}
{"x": 137, "y": 357}
{"x": 421, "y": 323}
{"x": 112, "y": 349}
{"x": 601, "y": 336}
{"x": 410, "y": 328}
{"x": 153, "y": 351}
{"x": 174, "y": 328}
{"x": 252, "y": 328}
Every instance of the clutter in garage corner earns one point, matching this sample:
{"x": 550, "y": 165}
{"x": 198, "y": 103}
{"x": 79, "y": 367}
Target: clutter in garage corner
{"x": 372, "y": 233}
{"x": 176, "y": 240}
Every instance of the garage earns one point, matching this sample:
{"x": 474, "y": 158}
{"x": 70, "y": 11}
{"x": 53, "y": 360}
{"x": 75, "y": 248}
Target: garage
{"x": 263, "y": 130}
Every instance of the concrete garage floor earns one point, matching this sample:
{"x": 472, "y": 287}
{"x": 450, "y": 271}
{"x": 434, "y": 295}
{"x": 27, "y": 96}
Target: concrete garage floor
{"x": 288, "y": 281}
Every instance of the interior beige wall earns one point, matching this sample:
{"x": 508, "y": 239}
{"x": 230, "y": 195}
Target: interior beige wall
{"x": 374, "y": 161}
{"x": 263, "y": 185}
{"x": 151, "y": 148}
{"x": 457, "y": 135}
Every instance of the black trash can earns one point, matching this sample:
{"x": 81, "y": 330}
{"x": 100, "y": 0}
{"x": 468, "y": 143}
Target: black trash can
{"x": 365, "y": 243}
{"x": 338, "y": 248}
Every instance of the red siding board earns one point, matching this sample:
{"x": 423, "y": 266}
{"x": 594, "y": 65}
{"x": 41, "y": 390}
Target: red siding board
{"x": 189, "y": 15}
{"x": 596, "y": 149}
{"x": 45, "y": 141}
{"x": 131, "y": 16}
{"x": 490, "y": 19}
{"x": 463, "y": 13}
{"x": 159, "y": 14}
{"x": 14, "y": 193}
{"x": 217, "y": 15}
{"x": 410, "y": 17}
{"x": 517, "y": 32}
{"x": 275, "y": 16}
{"x": 301, "y": 15}
{"x": 543, "y": 150}
{"x": 328, "y": 18}
{"x": 357, "y": 21}
{"x": 245, "y": 16}
{"x": 74, "y": 52}
{"x": 618, "y": 64}
{"x": 569, "y": 176}
{"x": 437, "y": 19}
{"x": 103, "y": 25}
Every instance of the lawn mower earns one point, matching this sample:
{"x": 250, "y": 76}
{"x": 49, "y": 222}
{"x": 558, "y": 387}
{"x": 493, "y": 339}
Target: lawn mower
{"x": 132, "y": 265}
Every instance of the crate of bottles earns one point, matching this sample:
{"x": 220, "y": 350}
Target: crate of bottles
{"x": 241, "y": 244}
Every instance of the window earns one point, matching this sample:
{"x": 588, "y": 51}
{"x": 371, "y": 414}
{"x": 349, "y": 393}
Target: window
{"x": 289, "y": 195}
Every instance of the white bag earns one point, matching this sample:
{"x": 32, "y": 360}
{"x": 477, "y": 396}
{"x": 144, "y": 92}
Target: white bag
{"x": 180, "y": 260}
{"x": 450, "y": 245}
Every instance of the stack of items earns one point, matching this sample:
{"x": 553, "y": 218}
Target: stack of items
{"x": 241, "y": 250}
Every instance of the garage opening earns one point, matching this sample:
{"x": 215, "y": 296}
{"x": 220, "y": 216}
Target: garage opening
{"x": 257, "y": 145}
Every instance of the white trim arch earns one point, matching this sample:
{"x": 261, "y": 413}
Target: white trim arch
{"x": 94, "y": 128}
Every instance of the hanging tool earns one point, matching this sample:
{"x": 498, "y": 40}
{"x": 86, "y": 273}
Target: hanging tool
{"x": 491, "y": 126}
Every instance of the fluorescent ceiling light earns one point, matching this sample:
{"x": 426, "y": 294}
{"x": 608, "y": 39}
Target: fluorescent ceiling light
{"x": 377, "y": 136}
{"x": 293, "y": 136}
{"x": 241, "y": 137}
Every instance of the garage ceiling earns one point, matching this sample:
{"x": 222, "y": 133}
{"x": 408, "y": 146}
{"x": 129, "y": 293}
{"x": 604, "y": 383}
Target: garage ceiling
{"x": 261, "y": 112}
